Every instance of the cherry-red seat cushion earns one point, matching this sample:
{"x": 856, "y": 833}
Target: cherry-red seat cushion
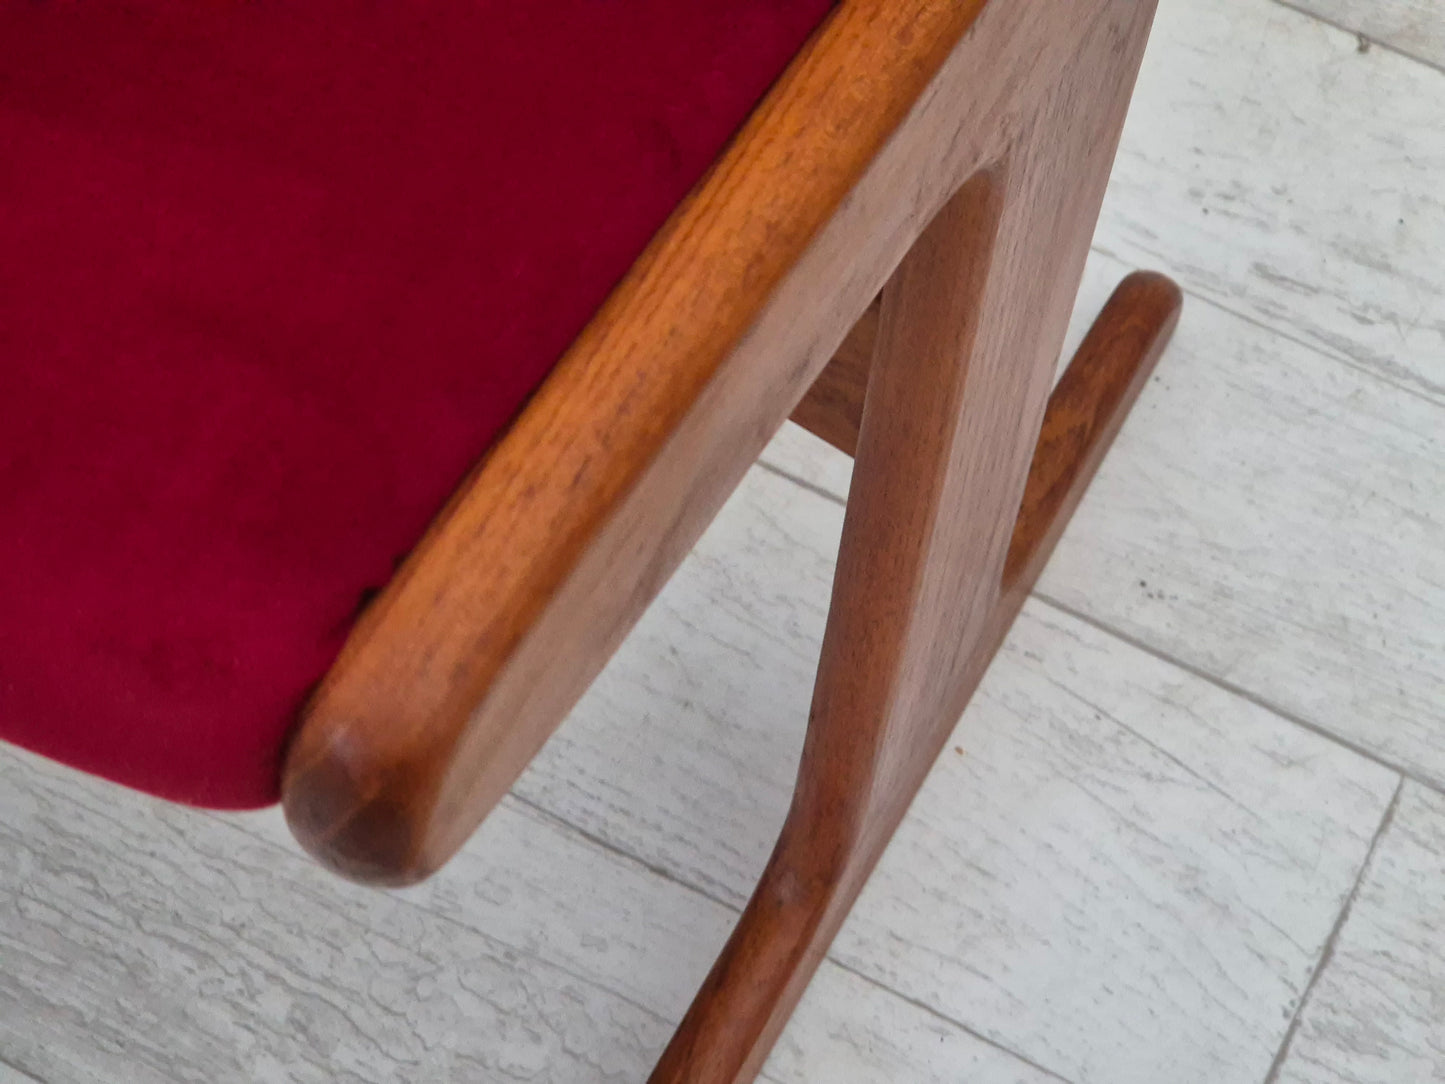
{"x": 272, "y": 277}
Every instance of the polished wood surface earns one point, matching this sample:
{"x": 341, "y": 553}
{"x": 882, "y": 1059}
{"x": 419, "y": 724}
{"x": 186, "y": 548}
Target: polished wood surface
{"x": 859, "y": 772}
{"x": 833, "y": 407}
{"x": 970, "y": 325}
{"x": 964, "y": 185}
{"x": 1087, "y": 406}
{"x": 515, "y": 598}
{"x": 913, "y": 626}
{"x": 1110, "y": 799}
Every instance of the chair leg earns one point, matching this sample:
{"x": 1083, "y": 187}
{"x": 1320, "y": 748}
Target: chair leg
{"x": 960, "y": 488}
{"x": 927, "y": 586}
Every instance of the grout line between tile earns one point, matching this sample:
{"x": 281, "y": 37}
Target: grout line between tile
{"x": 1403, "y": 770}
{"x": 1242, "y": 693}
{"x": 1328, "y": 954}
{"x": 950, "y": 1021}
{"x": 1430, "y": 393}
{"x": 403, "y": 900}
{"x": 811, "y": 487}
{"x": 1374, "y": 42}
{"x": 22, "y": 1076}
{"x": 593, "y": 839}
{"x": 1425, "y": 395}
{"x": 667, "y": 875}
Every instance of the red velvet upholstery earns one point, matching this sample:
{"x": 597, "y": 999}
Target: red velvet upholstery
{"x": 273, "y": 276}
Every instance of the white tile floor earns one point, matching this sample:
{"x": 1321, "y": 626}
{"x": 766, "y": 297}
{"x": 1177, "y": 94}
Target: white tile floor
{"x": 1191, "y": 830}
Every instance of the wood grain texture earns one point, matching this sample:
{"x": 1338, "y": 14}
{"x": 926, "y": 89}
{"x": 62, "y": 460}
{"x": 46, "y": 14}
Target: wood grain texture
{"x": 1064, "y": 842}
{"x": 581, "y": 511}
{"x": 1271, "y": 517}
{"x": 969, "y": 329}
{"x": 154, "y": 943}
{"x": 1135, "y": 323}
{"x": 1271, "y": 167}
{"x": 1294, "y": 552}
{"x": 833, "y": 407}
{"x": 1126, "y": 875}
{"x": 1174, "y": 968}
{"x": 1069, "y": 840}
{"x": 1413, "y": 27}
{"x": 1085, "y": 411}
{"x": 1374, "y": 1017}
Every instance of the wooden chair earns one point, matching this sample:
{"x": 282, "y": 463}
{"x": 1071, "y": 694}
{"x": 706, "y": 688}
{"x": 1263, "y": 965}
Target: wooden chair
{"x": 926, "y": 173}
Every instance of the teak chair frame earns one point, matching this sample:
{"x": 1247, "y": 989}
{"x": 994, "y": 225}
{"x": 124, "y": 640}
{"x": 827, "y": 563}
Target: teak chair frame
{"x": 944, "y": 157}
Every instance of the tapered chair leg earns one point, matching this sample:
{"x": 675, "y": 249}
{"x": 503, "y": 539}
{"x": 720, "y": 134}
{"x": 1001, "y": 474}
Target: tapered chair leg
{"x": 861, "y": 769}
{"x": 961, "y": 485}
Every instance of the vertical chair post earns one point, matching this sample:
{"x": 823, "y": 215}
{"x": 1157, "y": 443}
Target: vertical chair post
{"x": 950, "y": 517}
